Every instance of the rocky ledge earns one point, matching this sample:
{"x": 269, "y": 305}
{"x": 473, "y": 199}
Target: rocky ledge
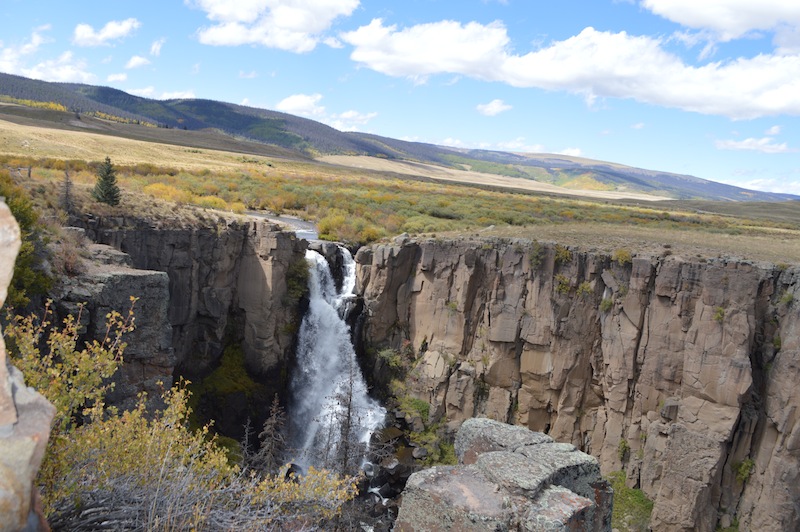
{"x": 508, "y": 478}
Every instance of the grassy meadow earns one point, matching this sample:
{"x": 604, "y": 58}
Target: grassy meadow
{"x": 359, "y": 205}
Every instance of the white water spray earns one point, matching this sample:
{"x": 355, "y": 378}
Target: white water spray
{"x": 331, "y": 414}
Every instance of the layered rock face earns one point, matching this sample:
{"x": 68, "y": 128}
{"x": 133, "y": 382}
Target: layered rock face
{"x": 509, "y": 478}
{"x": 107, "y": 285}
{"x": 227, "y": 283}
{"x": 680, "y": 371}
{"x": 24, "y": 414}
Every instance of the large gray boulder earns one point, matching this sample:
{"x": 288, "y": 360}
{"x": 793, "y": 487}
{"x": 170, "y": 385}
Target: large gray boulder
{"x": 509, "y": 478}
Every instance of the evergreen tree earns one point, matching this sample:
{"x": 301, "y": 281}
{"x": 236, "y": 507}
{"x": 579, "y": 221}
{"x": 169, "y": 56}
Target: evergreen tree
{"x": 106, "y": 189}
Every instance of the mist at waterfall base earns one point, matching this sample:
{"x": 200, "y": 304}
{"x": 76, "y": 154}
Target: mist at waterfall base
{"x": 332, "y": 418}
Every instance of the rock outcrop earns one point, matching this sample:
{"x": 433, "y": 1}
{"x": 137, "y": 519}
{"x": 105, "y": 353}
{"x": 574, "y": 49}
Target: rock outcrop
{"x": 229, "y": 282}
{"x": 24, "y": 415}
{"x": 680, "y": 371}
{"x": 107, "y": 284}
{"x": 509, "y": 478}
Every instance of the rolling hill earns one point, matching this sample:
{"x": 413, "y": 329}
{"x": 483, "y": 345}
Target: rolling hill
{"x": 252, "y": 130}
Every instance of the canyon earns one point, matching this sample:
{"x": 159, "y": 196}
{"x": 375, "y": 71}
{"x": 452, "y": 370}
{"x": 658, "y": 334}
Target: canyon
{"x": 679, "y": 370}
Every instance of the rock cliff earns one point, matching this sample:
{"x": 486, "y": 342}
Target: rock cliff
{"x": 680, "y": 371}
{"x": 24, "y": 415}
{"x": 230, "y": 281}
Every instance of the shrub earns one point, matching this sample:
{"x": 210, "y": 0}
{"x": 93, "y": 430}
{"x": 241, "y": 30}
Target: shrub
{"x": 632, "y": 508}
{"x": 562, "y": 284}
{"x": 623, "y": 448}
{"x": 584, "y": 289}
{"x": 563, "y": 255}
{"x": 622, "y": 256}
{"x": 147, "y": 470}
{"x": 719, "y": 314}
{"x": 743, "y": 470}
{"x": 606, "y": 304}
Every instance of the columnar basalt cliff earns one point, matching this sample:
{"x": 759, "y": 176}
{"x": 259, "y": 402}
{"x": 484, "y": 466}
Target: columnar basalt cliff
{"x": 24, "y": 414}
{"x": 680, "y": 371}
{"x": 228, "y": 283}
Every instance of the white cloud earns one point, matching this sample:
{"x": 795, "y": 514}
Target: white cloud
{"x": 11, "y": 57}
{"x": 177, "y": 95}
{"x": 638, "y": 125}
{"x": 333, "y": 42}
{"x": 64, "y": 69}
{"x": 728, "y": 19}
{"x": 196, "y": 68}
{"x": 302, "y": 104}
{"x": 781, "y": 186}
{"x": 593, "y": 64}
{"x": 137, "y": 61}
{"x": 572, "y": 152}
{"x": 117, "y": 77}
{"x": 763, "y": 145}
{"x": 349, "y": 120}
{"x": 293, "y": 25}
{"x": 155, "y": 48}
{"x": 450, "y": 141}
{"x": 493, "y": 108}
{"x": 146, "y": 92}
{"x": 774, "y": 130}
{"x": 308, "y": 105}
{"x": 517, "y": 145}
{"x": 248, "y": 75}
{"x": 85, "y": 35}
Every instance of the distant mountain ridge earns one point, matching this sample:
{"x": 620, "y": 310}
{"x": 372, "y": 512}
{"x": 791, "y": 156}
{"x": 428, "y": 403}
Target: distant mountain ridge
{"x": 310, "y": 138}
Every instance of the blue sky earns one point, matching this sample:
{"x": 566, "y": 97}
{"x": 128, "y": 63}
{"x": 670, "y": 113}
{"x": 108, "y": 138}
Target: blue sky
{"x": 703, "y": 87}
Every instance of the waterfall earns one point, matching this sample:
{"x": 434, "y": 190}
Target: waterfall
{"x": 332, "y": 416}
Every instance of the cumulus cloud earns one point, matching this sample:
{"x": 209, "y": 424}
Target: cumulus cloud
{"x": 728, "y": 19}
{"x": 349, "y": 120}
{"x": 11, "y": 57}
{"x": 774, "y": 130}
{"x": 302, "y": 104}
{"x": 248, "y": 75}
{"x": 572, "y": 152}
{"x": 86, "y": 35}
{"x": 308, "y": 105}
{"x": 293, "y": 25}
{"x": 116, "y": 77}
{"x": 155, "y": 48}
{"x": 493, "y": 108}
{"x": 146, "y": 92}
{"x": 177, "y": 95}
{"x": 763, "y": 145}
{"x": 594, "y": 64}
{"x": 517, "y": 145}
{"x": 137, "y": 61}
{"x": 638, "y": 125}
{"x": 66, "y": 68}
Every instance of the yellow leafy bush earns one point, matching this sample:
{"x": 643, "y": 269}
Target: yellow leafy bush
{"x": 147, "y": 470}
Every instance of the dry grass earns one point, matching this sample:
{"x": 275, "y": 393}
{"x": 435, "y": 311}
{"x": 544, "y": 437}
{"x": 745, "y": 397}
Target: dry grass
{"x": 475, "y": 178}
{"x": 783, "y": 247}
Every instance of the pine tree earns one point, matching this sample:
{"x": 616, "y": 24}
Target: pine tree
{"x": 106, "y": 189}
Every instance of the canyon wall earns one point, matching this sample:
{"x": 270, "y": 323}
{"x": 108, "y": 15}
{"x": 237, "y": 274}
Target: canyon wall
{"x": 681, "y": 371}
{"x": 230, "y": 281}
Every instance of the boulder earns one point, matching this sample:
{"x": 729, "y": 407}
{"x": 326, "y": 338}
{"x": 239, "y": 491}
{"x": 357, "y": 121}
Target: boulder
{"x": 25, "y": 416}
{"x": 509, "y": 478}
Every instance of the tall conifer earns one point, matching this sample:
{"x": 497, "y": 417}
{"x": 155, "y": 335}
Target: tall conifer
{"x": 106, "y": 189}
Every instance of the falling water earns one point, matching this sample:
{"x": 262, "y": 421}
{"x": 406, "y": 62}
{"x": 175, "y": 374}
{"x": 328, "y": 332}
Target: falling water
{"x": 331, "y": 414}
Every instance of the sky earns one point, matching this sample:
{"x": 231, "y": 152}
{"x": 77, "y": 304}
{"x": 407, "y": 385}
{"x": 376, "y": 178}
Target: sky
{"x": 709, "y": 88}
